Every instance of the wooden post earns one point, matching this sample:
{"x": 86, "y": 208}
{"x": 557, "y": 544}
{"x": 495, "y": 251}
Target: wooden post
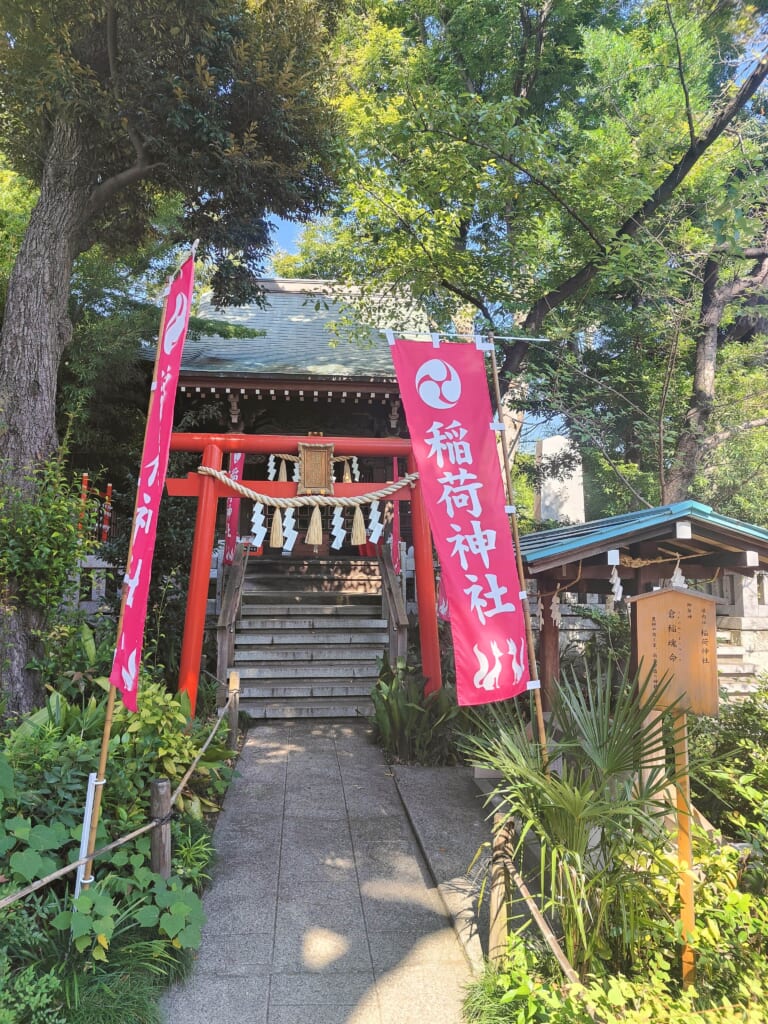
{"x": 160, "y": 837}
{"x": 499, "y": 924}
{"x": 234, "y": 708}
{"x": 530, "y": 642}
{"x": 684, "y": 847}
{"x": 549, "y": 649}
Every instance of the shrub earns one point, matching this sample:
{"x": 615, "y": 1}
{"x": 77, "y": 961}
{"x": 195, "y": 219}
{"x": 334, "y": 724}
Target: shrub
{"x": 412, "y": 727}
{"x": 596, "y": 817}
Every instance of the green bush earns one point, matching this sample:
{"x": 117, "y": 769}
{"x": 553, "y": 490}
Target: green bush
{"x": 519, "y": 993}
{"x": 412, "y": 727}
{"x": 596, "y": 817}
{"x": 65, "y": 955}
{"x": 44, "y": 531}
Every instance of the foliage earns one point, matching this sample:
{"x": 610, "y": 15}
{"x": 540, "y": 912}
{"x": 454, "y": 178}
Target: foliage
{"x": 729, "y": 941}
{"x": 213, "y": 102}
{"x": 611, "y": 642}
{"x": 48, "y": 759}
{"x": 598, "y": 819}
{"x": 42, "y": 537}
{"x": 95, "y": 946}
{"x": 564, "y": 169}
{"x": 66, "y": 954}
{"x": 29, "y": 996}
{"x": 17, "y": 197}
{"x": 192, "y": 850}
{"x": 517, "y": 994}
{"x": 729, "y": 774}
{"x": 410, "y": 726}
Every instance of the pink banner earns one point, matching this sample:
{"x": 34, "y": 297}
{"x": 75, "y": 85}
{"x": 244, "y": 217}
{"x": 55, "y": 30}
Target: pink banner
{"x": 154, "y": 464}
{"x": 232, "y": 525}
{"x": 447, "y": 406}
{"x": 396, "y": 523}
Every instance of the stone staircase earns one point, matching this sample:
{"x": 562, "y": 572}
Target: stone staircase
{"x": 737, "y": 676}
{"x": 310, "y": 637}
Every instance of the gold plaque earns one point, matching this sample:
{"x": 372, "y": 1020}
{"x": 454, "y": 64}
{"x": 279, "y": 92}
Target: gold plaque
{"x": 315, "y": 469}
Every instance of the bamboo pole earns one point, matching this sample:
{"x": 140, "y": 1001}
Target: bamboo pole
{"x": 499, "y": 922}
{"x": 110, "y": 709}
{"x": 519, "y": 558}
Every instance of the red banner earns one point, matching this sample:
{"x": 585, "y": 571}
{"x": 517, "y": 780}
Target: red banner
{"x": 232, "y": 524}
{"x": 154, "y": 465}
{"x": 447, "y": 406}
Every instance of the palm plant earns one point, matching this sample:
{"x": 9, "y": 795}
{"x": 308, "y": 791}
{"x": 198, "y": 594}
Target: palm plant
{"x": 595, "y": 807}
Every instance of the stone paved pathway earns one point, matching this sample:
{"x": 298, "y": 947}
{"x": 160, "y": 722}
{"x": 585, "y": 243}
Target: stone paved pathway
{"x": 321, "y": 909}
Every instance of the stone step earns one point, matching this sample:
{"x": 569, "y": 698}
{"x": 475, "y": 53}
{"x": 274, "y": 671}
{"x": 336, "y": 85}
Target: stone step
{"x": 289, "y": 570}
{"x": 738, "y": 669}
{"x": 307, "y": 655}
{"x": 285, "y": 691}
{"x": 328, "y": 624}
{"x": 293, "y": 566}
{"x": 309, "y": 707}
{"x": 310, "y": 638}
{"x": 305, "y": 608}
{"x": 308, "y": 671}
{"x": 290, "y": 637}
{"x": 729, "y": 652}
{"x": 299, "y": 597}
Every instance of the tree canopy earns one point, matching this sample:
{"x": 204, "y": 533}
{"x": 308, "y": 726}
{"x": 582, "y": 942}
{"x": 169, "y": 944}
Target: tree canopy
{"x": 591, "y": 172}
{"x": 220, "y": 102}
{"x": 109, "y": 109}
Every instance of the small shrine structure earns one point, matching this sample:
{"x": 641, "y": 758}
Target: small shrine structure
{"x": 683, "y": 544}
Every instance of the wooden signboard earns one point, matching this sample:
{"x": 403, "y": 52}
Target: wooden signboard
{"x": 674, "y": 631}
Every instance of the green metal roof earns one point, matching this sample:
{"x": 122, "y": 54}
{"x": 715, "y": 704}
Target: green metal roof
{"x": 547, "y": 548}
{"x": 299, "y": 333}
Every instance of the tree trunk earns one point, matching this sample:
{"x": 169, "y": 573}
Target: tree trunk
{"x": 19, "y": 628}
{"x": 36, "y": 328}
{"x": 693, "y": 444}
{"x": 689, "y": 448}
{"x": 35, "y": 332}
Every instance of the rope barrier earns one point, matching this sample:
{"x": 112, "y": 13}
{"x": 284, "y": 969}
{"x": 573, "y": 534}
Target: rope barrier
{"x": 309, "y": 500}
{"x": 6, "y": 901}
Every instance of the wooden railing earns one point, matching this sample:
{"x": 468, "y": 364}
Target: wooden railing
{"x": 393, "y": 607}
{"x": 228, "y": 616}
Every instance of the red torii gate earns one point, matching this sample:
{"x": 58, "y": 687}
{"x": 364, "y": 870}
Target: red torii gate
{"x": 208, "y": 490}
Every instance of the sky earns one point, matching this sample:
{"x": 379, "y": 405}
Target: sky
{"x": 286, "y": 236}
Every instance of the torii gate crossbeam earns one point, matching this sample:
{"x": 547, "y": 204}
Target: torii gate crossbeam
{"x": 207, "y": 490}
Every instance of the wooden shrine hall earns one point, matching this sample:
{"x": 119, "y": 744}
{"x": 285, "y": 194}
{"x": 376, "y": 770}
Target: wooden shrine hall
{"x": 298, "y": 392}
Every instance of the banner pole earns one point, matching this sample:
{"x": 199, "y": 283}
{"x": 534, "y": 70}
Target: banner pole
{"x": 110, "y": 709}
{"x": 519, "y": 558}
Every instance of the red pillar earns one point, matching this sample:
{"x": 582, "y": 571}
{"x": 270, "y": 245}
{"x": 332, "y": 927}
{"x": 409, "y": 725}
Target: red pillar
{"x": 199, "y": 578}
{"x": 425, "y": 588}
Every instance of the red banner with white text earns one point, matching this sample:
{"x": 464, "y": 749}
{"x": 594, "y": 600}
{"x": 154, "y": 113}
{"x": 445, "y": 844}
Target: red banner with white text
{"x": 232, "y": 522}
{"x": 154, "y": 465}
{"x": 447, "y": 406}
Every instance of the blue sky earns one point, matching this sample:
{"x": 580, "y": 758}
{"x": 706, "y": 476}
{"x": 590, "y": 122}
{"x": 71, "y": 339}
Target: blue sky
{"x": 286, "y": 235}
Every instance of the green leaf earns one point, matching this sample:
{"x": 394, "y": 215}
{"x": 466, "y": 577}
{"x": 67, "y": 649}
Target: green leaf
{"x": 7, "y": 789}
{"x": 28, "y": 864}
{"x": 147, "y": 917}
